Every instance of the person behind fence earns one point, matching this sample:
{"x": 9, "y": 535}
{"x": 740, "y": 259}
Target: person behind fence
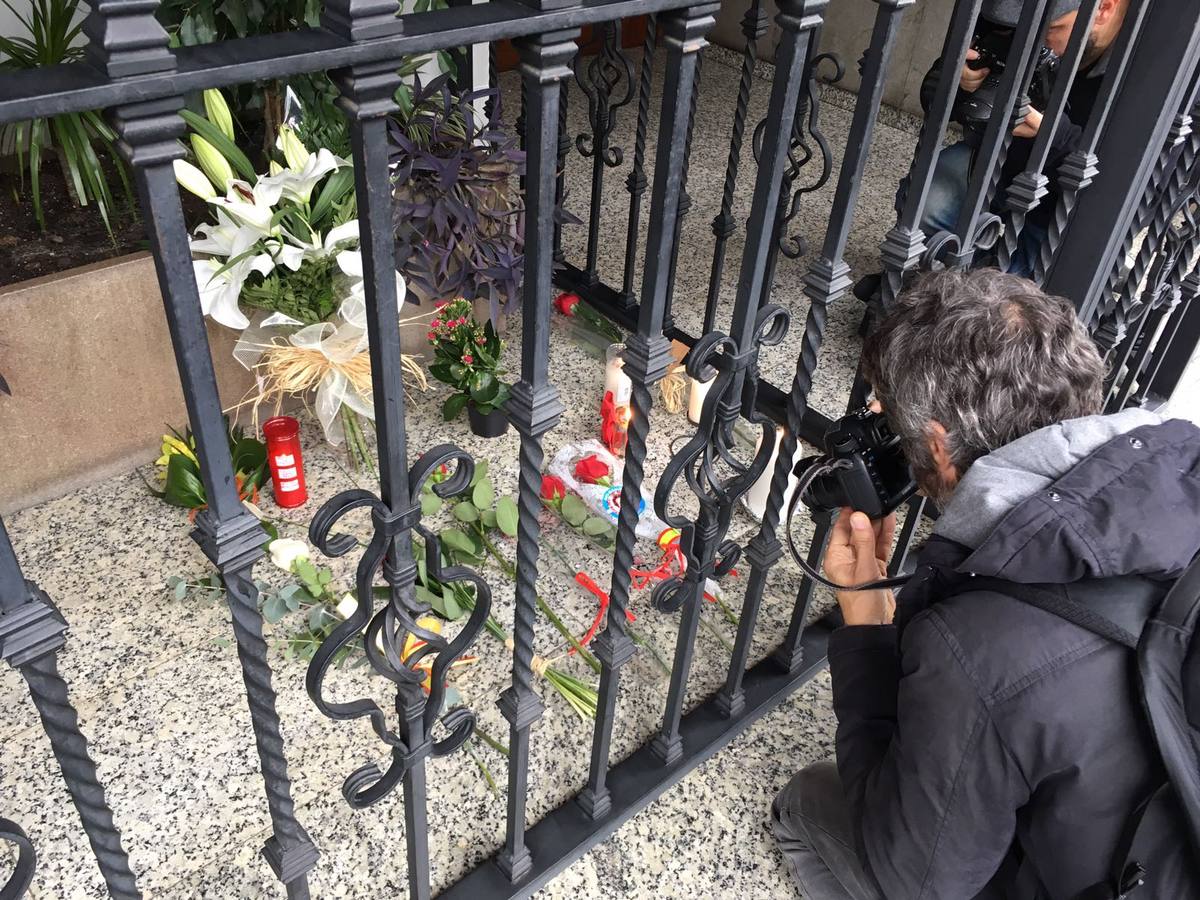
{"x": 978, "y": 88}
{"x": 988, "y": 744}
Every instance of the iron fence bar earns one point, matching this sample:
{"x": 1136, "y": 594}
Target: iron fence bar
{"x": 636, "y": 182}
{"x": 32, "y": 630}
{"x": 912, "y": 520}
{"x": 568, "y": 832}
{"x": 976, "y": 227}
{"x": 1080, "y": 167}
{"x": 560, "y": 182}
{"x": 905, "y": 245}
{"x": 1173, "y": 359}
{"x": 1160, "y": 204}
{"x": 754, "y": 27}
{"x": 798, "y": 21}
{"x": 1136, "y": 125}
{"x": 790, "y": 653}
{"x": 685, "y": 199}
{"x": 534, "y": 409}
{"x": 606, "y": 79}
{"x": 75, "y": 87}
{"x": 827, "y": 279}
{"x": 1031, "y": 185}
{"x": 647, "y": 360}
{"x": 1189, "y": 287}
{"x": 229, "y": 535}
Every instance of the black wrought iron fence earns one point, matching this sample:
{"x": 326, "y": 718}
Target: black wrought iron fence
{"x": 1121, "y": 242}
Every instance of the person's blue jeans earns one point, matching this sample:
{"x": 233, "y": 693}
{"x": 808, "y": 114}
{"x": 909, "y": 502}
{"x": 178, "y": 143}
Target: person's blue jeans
{"x": 947, "y": 193}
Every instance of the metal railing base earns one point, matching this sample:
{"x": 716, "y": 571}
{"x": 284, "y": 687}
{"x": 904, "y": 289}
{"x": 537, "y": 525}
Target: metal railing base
{"x": 568, "y": 832}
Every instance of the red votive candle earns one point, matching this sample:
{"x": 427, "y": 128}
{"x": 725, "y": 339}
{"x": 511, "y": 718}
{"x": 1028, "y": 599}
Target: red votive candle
{"x": 287, "y": 465}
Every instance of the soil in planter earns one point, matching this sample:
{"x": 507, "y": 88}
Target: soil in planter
{"x": 74, "y": 235}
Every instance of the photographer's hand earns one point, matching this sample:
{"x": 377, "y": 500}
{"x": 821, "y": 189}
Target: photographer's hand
{"x": 971, "y": 79}
{"x": 858, "y": 552}
{"x": 1028, "y": 127}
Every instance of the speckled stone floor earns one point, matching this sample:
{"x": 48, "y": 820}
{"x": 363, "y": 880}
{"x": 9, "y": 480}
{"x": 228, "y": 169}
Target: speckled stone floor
{"x": 159, "y": 690}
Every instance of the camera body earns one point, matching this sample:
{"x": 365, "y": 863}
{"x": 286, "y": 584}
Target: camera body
{"x": 974, "y": 110}
{"x": 869, "y": 472}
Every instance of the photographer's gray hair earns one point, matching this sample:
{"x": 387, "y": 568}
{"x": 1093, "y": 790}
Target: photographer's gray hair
{"x": 988, "y": 355}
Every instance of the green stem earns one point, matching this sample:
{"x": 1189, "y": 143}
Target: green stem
{"x": 642, "y": 641}
{"x": 730, "y": 615}
{"x": 483, "y": 769}
{"x": 490, "y": 741}
{"x": 508, "y": 569}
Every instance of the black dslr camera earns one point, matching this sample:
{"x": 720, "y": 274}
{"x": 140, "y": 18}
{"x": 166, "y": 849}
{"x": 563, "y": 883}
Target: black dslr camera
{"x": 863, "y": 468}
{"x": 974, "y": 110}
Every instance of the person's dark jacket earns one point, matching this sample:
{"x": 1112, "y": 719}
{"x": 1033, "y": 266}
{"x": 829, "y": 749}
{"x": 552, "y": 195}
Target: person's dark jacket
{"x": 978, "y": 727}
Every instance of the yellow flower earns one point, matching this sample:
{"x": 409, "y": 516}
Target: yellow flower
{"x": 172, "y": 445}
{"x": 412, "y": 644}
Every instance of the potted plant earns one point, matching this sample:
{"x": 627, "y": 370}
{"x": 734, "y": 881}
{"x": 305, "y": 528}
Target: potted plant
{"x": 466, "y": 356}
{"x": 458, "y": 217}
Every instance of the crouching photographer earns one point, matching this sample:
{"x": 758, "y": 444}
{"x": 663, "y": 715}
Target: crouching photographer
{"x": 1020, "y": 719}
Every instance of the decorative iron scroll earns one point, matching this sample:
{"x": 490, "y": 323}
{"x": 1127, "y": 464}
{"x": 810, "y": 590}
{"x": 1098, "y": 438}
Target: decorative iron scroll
{"x": 387, "y": 629}
{"x": 18, "y": 882}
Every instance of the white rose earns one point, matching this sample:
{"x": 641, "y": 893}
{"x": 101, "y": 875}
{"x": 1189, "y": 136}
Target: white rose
{"x": 347, "y": 605}
{"x": 285, "y": 551}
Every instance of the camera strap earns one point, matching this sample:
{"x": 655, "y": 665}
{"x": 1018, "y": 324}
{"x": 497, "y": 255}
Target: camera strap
{"x": 811, "y": 475}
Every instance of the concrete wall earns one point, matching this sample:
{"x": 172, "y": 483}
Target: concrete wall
{"x": 847, "y": 32}
{"x": 89, "y": 361}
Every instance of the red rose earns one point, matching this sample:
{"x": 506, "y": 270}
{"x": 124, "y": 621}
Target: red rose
{"x": 566, "y": 303}
{"x": 593, "y": 470}
{"x": 553, "y": 488}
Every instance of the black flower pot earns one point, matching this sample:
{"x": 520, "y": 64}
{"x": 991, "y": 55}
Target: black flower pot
{"x": 487, "y": 425}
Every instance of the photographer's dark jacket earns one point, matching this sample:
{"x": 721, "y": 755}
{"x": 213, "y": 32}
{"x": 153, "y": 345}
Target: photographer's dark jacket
{"x": 978, "y": 726}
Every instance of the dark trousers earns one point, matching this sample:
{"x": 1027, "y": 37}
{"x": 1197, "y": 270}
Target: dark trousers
{"x": 812, "y": 825}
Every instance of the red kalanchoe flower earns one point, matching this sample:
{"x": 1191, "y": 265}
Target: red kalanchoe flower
{"x": 479, "y": 340}
{"x": 468, "y": 358}
{"x": 439, "y": 304}
{"x": 593, "y": 470}
{"x": 566, "y": 303}
{"x": 553, "y": 488}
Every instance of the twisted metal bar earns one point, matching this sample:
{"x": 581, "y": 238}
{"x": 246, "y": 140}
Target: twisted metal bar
{"x": 534, "y": 409}
{"x": 59, "y": 719}
{"x": 1081, "y": 166}
{"x": 647, "y": 358}
{"x": 754, "y": 27}
{"x": 227, "y": 533}
{"x": 636, "y": 183}
{"x": 905, "y": 245}
{"x": 685, "y": 199}
{"x": 1030, "y": 186}
{"x": 31, "y": 632}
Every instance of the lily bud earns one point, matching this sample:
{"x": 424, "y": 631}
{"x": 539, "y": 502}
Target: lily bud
{"x": 215, "y": 166}
{"x": 274, "y": 168}
{"x": 192, "y": 179}
{"x": 293, "y": 149}
{"x": 218, "y": 112}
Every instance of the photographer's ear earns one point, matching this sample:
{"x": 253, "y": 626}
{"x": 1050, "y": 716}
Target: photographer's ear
{"x": 939, "y": 452}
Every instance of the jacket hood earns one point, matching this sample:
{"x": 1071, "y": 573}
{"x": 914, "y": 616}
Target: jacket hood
{"x": 1097, "y": 497}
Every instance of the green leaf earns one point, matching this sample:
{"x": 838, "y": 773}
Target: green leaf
{"x": 324, "y": 576}
{"x": 489, "y": 518}
{"x": 574, "y": 510}
{"x": 450, "y": 608}
{"x": 484, "y": 495}
{"x": 484, "y": 387}
{"x": 466, "y": 512}
{"x": 456, "y": 539}
{"x": 180, "y": 588}
{"x": 305, "y": 571}
{"x": 430, "y": 503}
{"x": 481, "y": 470}
{"x": 274, "y": 609}
{"x": 454, "y": 406}
{"x": 594, "y": 526}
{"x": 507, "y": 515}
{"x": 227, "y": 148}
{"x": 183, "y": 486}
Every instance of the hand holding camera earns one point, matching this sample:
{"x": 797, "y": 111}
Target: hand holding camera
{"x": 858, "y": 553}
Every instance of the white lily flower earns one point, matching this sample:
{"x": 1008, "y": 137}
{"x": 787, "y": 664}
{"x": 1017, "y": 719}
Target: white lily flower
{"x": 220, "y": 290}
{"x": 252, "y": 207}
{"x": 285, "y": 551}
{"x": 293, "y": 148}
{"x": 298, "y": 184}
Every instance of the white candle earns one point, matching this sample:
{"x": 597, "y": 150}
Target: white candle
{"x": 755, "y": 499}
{"x": 697, "y": 391}
{"x": 615, "y": 379}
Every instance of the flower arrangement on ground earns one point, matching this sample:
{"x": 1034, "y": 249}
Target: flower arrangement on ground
{"x": 466, "y": 356}
{"x": 281, "y": 265}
